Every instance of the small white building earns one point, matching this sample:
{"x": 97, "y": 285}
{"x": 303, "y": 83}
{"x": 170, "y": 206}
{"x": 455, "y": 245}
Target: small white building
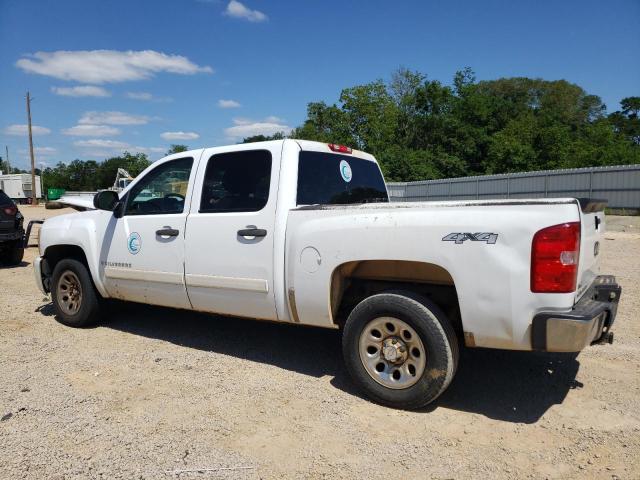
{"x": 18, "y": 186}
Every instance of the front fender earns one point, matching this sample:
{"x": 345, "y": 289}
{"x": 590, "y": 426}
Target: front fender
{"x": 84, "y": 230}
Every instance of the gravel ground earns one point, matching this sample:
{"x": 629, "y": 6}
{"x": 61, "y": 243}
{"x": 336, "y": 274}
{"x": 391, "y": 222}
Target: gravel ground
{"x": 152, "y": 391}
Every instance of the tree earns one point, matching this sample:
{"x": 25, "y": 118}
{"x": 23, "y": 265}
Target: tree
{"x": 421, "y": 128}
{"x": 264, "y": 138}
{"x": 176, "y": 148}
{"x": 627, "y": 120}
{"x": 134, "y": 164}
{"x": 6, "y": 168}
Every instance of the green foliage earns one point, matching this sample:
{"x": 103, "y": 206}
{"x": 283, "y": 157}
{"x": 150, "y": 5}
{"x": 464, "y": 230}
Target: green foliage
{"x": 6, "y": 168}
{"x": 176, "y": 148}
{"x": 420, "y": 128}
{"x": 627, "y": 121}
{"x": 264, "y": 138}
{"x": 89, "y": 175}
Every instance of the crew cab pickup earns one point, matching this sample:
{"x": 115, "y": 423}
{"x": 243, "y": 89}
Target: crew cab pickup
{"x": 303, "y": 232}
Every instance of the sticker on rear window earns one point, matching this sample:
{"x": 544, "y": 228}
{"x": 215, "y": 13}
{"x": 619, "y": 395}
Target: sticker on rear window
{"x": 345, "y": 171}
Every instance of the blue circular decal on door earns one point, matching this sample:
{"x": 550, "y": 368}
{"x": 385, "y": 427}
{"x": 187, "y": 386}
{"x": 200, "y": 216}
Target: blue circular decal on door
{"x": 134, "y": 243}
{"x": 345, "y": 171}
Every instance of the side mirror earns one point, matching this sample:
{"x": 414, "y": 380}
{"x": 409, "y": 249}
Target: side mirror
{"x": 105, "y": 200}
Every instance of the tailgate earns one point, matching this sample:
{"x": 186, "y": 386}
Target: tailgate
{"x": 591, "y": 234}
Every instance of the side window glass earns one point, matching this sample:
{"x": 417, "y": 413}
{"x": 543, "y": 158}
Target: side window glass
{"x": 162, "y": 190}
{"x": 236, "y": 182}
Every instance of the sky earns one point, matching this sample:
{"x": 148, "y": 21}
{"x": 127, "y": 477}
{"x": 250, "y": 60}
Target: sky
{"x": 139, "y": 75}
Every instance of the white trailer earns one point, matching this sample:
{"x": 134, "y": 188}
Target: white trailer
{"x": 18, "y": 186}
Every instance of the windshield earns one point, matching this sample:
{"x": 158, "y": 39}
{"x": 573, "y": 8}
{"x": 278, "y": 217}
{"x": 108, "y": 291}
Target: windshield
{"x": 331, "y": 179}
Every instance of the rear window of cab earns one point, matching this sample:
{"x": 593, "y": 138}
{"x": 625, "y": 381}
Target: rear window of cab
{"x": 333, "y": 179}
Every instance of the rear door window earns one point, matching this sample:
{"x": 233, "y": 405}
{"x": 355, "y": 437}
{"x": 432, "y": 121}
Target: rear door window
{"x": 331, "y": 179}
{"x": 236, "y": 182}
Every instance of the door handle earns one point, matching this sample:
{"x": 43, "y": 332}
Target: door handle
{"x": 167, "y": 232}
{"x": 252, "y": 232}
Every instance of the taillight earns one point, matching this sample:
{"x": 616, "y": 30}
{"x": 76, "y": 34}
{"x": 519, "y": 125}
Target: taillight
{"x": 554, "y": 258}
{"x": 339, "y": 148}
{"x": 11, "y": 211}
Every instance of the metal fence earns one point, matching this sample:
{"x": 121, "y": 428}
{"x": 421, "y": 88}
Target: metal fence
{"x": 620, "y": 185}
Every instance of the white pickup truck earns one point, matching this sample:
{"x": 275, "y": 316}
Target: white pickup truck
{"x": 303, "y": 232}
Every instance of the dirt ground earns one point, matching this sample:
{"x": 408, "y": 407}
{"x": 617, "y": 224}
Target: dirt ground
{"x": 153, "y": 391}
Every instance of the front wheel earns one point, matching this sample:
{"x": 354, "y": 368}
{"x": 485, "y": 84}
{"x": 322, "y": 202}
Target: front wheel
{"x": 75, "y": 299}
{"x": 400, "y": 349}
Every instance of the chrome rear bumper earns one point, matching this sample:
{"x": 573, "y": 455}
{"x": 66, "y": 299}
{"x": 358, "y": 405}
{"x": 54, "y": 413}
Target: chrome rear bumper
{"x": 589, "y": 321}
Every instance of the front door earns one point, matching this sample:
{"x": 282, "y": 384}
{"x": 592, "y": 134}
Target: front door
{"x": 230, "y": 231}
{"x": 145, "y": 247}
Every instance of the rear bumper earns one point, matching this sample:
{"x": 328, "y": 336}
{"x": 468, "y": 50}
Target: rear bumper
{"x": 589, "y": 322}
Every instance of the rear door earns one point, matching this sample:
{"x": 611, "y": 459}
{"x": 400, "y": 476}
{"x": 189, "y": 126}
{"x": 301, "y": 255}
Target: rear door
{"x": 230, "y": 231}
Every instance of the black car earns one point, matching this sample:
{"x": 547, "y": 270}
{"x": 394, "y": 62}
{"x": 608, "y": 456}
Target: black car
{"x": 11, "y": 232}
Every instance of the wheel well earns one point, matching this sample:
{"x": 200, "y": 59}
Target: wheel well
{"x": 55, "y": 253}
{"x": 352, "y": 282}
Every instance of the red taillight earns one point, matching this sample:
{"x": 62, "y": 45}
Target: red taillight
{"x": 554, "y": 258}
{"x": 11, "y": 211}
{"x": 340, "y": 148}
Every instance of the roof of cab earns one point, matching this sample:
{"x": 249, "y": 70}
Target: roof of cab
{"x": 307, "y": 145}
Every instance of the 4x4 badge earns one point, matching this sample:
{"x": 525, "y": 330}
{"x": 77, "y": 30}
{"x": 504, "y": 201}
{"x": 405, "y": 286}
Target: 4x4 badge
{"x": 458, "y": 238}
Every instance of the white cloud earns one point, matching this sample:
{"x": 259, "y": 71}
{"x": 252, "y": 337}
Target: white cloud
{"x": 44, "y": 150}
{"x": 100, "y": 143}
{"x": 101, "y": 147}
{"x": 148, "y": 150}
{"x": 244, "y": 127}
{"x": 238, "y": 10}
{"x": 105, "y": 66}
{"x": 20, "y": 130}
{"x": 228, "y": 104}
{"x": 146, "y": 97}
{"x": 39, "y": 151}
{"x": 81, "y": 91}
{"x": 179, "y": 135}
{"x": 139, "y": 95}
{"x": 91, "y": 131}
{"x": 112, "y": 118}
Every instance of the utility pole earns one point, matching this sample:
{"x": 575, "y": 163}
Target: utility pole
{"x": 6, "y": 150}
{"x": 34, "y": 198}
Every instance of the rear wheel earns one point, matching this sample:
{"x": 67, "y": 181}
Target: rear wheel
{"x": 74, "y": 296}
{"x": 400, "y": 349}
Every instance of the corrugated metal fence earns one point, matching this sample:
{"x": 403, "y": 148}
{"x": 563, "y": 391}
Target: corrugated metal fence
{"x": 620, "y": 185}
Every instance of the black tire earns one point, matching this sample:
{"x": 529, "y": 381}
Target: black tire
{"x": 89, "y": 304}
{"x": 433, "y": 329}
{"x": 14, "y": 253}
{"x": 53, "y": 205}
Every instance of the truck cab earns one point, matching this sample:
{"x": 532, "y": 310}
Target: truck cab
{"x": 303, "y": 232}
